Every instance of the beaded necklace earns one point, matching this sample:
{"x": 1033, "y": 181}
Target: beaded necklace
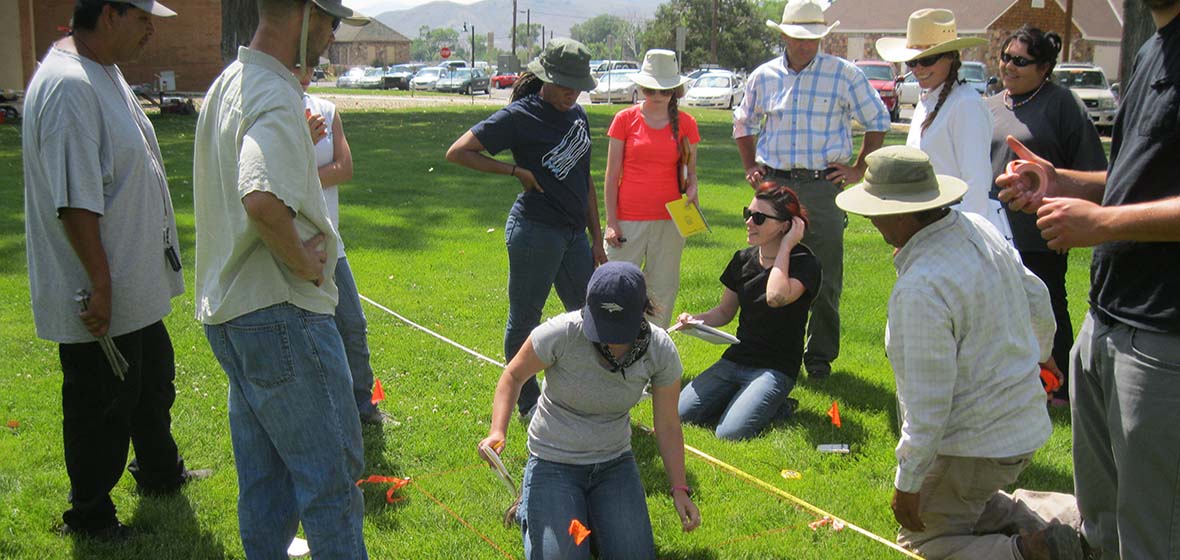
{"x": 1012, "y": 105}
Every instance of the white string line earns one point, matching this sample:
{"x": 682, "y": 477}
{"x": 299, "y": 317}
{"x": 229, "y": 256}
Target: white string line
{"x": 431, "y": 333}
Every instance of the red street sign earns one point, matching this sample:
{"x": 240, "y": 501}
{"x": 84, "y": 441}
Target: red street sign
{"x": 445, "y": 52}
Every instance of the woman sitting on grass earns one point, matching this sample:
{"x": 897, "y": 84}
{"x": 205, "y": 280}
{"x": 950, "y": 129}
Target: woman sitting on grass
{"x": 772, "y": 283}
{"x": 597, "y": 361}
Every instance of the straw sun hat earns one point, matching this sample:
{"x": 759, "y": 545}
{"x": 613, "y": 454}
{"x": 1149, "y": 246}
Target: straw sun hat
{"x": 660, "y": 71}
{"x": 803, "y": 19}
{"x": 928, "y": 32}
{"x": 900, "y": 180}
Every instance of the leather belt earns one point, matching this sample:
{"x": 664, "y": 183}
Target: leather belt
{"x": 799, "y": 173}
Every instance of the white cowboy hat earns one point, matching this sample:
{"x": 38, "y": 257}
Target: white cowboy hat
{"x": 900, "y": 180}
{"x": 660, "y": 71}
{"x": 928, "y": 31}
{"x": 803, "y": 19}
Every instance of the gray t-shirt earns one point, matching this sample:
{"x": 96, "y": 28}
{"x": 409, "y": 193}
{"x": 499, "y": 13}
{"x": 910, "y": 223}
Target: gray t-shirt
{"x": 88, "y": 145}
{"x": 583, "y": 415}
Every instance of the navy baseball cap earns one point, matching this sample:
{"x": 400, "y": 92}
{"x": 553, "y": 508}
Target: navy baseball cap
{"x": 615, "y": 299}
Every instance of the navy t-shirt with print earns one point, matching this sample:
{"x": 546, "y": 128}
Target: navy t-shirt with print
{"x": 555, "y": 146}
{"x": 771, "y": 337}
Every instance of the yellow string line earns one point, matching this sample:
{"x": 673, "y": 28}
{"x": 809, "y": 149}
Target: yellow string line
{"x": 782, "y": 493}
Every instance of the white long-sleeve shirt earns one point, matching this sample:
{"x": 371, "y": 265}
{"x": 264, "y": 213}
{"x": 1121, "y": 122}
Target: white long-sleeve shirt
{"x": 958, "y": 141}
{"x": 967, "y": 326}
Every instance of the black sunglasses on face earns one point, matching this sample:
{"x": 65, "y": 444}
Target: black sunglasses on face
{"x": 1018, "y": 61}
{"x": 924, "y": 61}
{"x": 649, "y": 91}
{"x": 759, "y": 217}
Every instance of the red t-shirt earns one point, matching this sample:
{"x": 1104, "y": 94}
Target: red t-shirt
{"x": 650, "y": 158}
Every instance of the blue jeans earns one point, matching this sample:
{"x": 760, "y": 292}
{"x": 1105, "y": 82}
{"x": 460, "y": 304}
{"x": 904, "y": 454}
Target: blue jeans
{"x": 295, "y": 432}
{"x": 740, "y": 399}
{"x": 540, "y": 256}
{"x": 606, "y": 497}
{"x": 350, "y": 321}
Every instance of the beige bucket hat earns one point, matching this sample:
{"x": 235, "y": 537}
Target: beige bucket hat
{"x": 900, "y": 180}
{"x": 803, "y": 19}
{"x": 660, "y": 71}
{"x": 928, "y": 31}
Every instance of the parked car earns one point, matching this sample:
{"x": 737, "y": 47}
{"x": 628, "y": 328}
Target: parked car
{"x": 464, "y": 80}
{"x": 350, "y": 78}
{"x": 883, "y": 78}
{"x": 908, "y": 91}
{"x": 715, "y": 89}
{"x": 975, "y": 74}
{"x": 610, "y": 65}
{"x": 504, "y": 79}
{"x": 616, "y": 85}
{"x": 425, "y": 79}
{"x": 398, "y": 76}
{"x": 453, "y": 64}
{"x": 373, "y": 78}
{"x": 1089, "y": 82}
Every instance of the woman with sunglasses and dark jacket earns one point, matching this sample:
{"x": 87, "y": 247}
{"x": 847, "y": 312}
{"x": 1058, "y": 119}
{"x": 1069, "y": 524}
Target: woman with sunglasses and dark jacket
{"x": 1052, "y": 122}
{"x": 769, "y": 286}
{"x": 950, "y": 123}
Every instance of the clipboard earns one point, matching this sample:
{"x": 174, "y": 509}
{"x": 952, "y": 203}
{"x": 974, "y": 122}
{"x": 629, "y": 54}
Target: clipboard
{"x": 687, "y": 216}
{"x": 705, "y": 333}
{"x": 493, "y": 460}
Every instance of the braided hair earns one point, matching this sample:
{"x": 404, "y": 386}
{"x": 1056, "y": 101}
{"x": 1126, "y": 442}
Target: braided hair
{"x": 674, "y": 111}
{"x": 527, "y": 84}
{"x": 952, "y": 79}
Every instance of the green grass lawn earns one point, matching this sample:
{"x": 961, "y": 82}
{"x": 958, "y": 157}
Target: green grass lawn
{"x": 426, "y": 239}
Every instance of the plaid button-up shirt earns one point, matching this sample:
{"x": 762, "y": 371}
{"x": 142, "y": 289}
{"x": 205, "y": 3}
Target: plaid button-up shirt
{"x": 802, "y": 118}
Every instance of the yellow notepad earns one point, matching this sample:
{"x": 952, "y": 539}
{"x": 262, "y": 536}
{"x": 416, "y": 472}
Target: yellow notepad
{"x": 687, "y": 216}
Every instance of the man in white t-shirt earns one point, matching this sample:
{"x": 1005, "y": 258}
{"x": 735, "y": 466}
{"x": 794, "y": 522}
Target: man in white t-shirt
{"x": 266, "y": 297}
{"x": 98, "y": 217}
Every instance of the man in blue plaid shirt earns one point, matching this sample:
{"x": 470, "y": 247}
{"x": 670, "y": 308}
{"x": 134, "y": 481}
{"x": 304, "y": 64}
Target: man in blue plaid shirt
{"x": 793, "y": 128}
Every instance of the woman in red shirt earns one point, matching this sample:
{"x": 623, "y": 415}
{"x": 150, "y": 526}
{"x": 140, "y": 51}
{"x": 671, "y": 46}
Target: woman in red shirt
{"x": 644, "y": 172}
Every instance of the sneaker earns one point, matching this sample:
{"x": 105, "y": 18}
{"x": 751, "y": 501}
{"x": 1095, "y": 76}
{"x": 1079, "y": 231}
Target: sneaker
{"x": 379, "y": 418}
{"x": 1055, "y": 542}
{"x": 116, "y": 533}
{"x": 819, "y": 370}
{"x": 186, "y": 477}
{"x": 786, "y": 411}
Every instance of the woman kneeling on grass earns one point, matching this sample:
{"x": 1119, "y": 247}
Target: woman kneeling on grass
{"x": 772, "y": 282}
{"x": 597, "y": 362}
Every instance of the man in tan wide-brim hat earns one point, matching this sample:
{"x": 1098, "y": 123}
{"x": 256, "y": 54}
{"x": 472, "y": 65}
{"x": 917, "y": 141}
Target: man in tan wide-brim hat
{"x": 967, "y": 331}
{"x": 928, "y": 32}
{"x": 794, "y": 127}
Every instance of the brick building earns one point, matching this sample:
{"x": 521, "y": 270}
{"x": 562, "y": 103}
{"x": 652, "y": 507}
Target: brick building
{"x": 189, "y": 45}
{"x": 375, "y": 44}
{"x": 1097, "y": 27}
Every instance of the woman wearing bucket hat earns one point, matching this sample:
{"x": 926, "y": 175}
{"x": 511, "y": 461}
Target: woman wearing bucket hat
{"x": 651, "y": 160}
{"x": 597, "y": 362}
{"x": 951, "y": 123}
{"x": 549, "y": 136}
{"x": 772, "y": 283}
{"x": 1051, "y": 121}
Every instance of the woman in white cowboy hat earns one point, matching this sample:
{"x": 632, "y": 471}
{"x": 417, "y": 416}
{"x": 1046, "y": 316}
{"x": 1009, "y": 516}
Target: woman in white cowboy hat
{"x": 651, "y": 160}
{"x": 950, "y": 123}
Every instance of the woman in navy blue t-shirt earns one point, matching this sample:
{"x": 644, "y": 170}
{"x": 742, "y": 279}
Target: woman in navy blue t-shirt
{"x": 549, "y": 136}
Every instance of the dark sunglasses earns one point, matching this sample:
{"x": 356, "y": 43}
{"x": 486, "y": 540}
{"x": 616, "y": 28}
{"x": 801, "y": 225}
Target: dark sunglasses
{"x": 924, "y": 61}
{"x": 759, "y": 217}
{"x": 649, "y": 91}
{"x": 1018, "y": 61}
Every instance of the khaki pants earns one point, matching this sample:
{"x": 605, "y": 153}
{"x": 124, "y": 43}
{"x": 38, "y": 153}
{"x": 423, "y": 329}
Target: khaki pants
{"x": 655, "y": 246}
{"x": 968, "y": 516}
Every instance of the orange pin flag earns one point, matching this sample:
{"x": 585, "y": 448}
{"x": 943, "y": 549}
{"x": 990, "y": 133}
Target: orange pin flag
{"x": 397, "y": 483}
{"x": 578, "y": 531}
{"x": 834, "y": 414}
{"x": 378, "y": 392}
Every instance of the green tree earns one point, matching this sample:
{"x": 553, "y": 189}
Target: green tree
{"x": 596, "y": 32}
{"x": 528, "y": 39}
{"x": 743, "y": 40}
{"x": 426, "y": 46}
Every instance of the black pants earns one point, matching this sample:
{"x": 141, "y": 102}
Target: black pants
{"x": 101, "y": 414}
{"x": 1050, "y": 267}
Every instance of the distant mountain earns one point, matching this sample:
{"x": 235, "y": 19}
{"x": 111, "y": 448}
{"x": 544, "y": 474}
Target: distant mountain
{"x": 496, "y": 15}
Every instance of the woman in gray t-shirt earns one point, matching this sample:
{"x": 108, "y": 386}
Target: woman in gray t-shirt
{"x": 597, "y": 361}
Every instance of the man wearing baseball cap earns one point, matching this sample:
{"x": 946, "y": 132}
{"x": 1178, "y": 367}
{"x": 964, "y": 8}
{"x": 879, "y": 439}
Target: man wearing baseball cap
{"x": 98, "y": 217}
{"x": 266, "y": 297}
{"x": 968, "y": 327}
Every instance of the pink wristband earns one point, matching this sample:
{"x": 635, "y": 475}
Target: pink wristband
{"x": 687, "y": 490}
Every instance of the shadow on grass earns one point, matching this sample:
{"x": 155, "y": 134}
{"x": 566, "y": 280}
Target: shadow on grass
{"x": 693, "y": 554}
{"x": 378, "y": 510}
{"x": 166, "y": 527}
{"x": 853, "y": 391}
{"x": 1046, "y": 478}
{"x": 651, "y": 465}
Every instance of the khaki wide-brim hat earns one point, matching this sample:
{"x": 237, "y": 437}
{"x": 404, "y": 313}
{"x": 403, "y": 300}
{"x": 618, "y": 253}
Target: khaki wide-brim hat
{"x": 803, "y": 19}
{"x": 564, "y": 62}
{"x": 928, "y": 31}
{"x": 346, "y": 15}
{"x": 152, "y": 7}
{"x": 660, "y": 71}
{"x": 900, "y": 180}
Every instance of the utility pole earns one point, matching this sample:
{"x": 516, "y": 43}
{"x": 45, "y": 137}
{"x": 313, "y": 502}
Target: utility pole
{"x": 542, "y": 36}
{"x": 713, "y": 33}
{"x": 1068, "y": 31}
{"x": 528, "y": 29}
{"x": 514, "y": 28}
